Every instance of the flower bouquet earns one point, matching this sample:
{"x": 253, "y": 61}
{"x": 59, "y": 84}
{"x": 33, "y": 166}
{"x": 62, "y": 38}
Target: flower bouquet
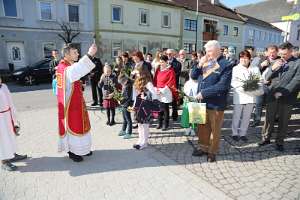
{"x": 252, "y": 83}
{"x": 117, "y": 95}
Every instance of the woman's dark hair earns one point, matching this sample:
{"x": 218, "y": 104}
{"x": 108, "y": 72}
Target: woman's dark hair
{"x": 245, "y": 53}
{"x": 164, "y": 58}
{"x": 125, "y": 54}
{"x": 194, "y": 53}
{"x": 139, "y": 55}
{"x": 201, "y": 52}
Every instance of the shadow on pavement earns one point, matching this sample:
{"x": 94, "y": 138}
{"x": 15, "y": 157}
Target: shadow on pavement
{"x": 15, "y": 87}
{"x": 100, "y": 162}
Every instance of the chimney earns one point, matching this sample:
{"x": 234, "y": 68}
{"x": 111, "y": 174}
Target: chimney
{"x": 214, "y": 2}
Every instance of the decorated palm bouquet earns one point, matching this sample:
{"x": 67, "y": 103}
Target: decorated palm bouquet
{"x": 117, "y": 95}
{"x": 252, "y": 83}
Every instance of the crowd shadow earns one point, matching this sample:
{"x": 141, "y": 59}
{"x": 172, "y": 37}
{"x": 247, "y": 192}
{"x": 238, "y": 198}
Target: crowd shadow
{"x": 127, "y": 159}
{"x": 100, "y": 162}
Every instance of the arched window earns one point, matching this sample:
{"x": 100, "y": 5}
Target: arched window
{"x": 16, "y": 53}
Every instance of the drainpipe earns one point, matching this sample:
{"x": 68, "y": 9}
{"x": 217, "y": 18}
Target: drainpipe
{"x": 180, "y": 45}
{"x": 196, "y": 45}
{"x": 97, "y": 35}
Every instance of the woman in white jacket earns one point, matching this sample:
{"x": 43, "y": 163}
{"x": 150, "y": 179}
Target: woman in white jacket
{"x": 243, "y": 101}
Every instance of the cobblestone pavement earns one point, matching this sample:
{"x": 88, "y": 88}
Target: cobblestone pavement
{"x": 114, "y": 171}
{"x": 243, "y": 170}
{"x": 165, "y": 170}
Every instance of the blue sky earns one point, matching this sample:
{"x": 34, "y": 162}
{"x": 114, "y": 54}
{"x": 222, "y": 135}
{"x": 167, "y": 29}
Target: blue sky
{"x": 234, "y": 3}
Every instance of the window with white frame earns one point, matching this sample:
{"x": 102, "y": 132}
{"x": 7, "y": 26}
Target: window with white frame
{"x": 270, "y": 37}
{"x": 48, "y": 47}
{"x": 279, "y": 38}
{"x": 266, "y": 36}
{"x": 116, "y": 13}
{"x": 116, "y": 48}
{"x": 190, "y": 25}
{"x": 73, "y": 12}
{"x": 275, "y": 37}
{"x": 144, "y": 16}
{"x": 251, "y": 33}
{"x": 10, "y": 8}
{"x": 235, "y": 31}
{"x": 225, "y": 29}
{"x": 189, "y": 47}
{"x": 45, "y": 10}
{"x": 166, "y": 19}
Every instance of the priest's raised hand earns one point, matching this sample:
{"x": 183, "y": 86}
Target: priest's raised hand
{"x": 92, "y": 50}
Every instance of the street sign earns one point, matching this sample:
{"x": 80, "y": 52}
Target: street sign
{"x": 293, "y": 17}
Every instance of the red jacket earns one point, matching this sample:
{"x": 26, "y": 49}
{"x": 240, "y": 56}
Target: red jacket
{"x": 166, "y": 78}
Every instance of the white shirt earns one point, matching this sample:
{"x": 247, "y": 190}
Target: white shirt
{"x": 240, "y": 74}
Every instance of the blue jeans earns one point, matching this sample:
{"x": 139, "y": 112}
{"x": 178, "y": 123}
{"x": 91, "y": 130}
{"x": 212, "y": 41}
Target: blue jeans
{"x": 127, "y": 122}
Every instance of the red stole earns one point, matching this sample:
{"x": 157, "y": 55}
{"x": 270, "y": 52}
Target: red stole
{"x": 72, "y": 114}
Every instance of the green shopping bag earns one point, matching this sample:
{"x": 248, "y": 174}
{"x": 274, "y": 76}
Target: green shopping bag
{"x": 185, "y": 116}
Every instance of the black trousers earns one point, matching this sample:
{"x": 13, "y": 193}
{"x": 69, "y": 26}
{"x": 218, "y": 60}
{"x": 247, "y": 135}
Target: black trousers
{"x": 110, "y": 112}
{"x": 164, "y": 115}
{"x": 174, "y": 110}
{"x": 127, "y": 122}
{"x": 96, "y": 92}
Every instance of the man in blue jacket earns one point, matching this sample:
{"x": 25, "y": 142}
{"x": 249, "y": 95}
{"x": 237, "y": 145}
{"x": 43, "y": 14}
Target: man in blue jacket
{"x": 214, "y": 76}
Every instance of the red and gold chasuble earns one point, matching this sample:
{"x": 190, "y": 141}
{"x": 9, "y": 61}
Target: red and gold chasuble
{"x": 72, "y": 114}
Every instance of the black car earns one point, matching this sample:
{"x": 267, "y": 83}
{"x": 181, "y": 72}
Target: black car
{"x": 34, "y": 74}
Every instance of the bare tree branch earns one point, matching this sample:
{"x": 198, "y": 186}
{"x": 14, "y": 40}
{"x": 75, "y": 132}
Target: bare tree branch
{"x": 68, "y": 32}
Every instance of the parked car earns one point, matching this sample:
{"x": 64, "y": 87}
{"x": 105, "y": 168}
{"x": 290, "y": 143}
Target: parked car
{"x": 34, "y": 74}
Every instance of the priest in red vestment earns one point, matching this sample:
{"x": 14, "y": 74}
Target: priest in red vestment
{"x": 73, "y": 120}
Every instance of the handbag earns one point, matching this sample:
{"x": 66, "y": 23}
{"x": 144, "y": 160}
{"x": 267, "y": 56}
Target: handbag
{"x": 146, "y": 109}
{"x": 197, "y": 113}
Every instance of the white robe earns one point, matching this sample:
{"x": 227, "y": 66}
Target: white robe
{"x": 7, "y": 135}
{"x": 79, "y": 145}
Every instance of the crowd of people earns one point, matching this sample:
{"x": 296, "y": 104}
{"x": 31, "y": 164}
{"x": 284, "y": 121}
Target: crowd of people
{"x": 145, "y": 88}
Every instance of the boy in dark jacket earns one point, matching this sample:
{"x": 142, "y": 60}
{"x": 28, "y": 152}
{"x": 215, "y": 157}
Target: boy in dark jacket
{"x": 125, "y": 103}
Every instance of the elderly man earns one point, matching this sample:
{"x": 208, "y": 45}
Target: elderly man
{"x": 177, "y": 68}
{"x": 214, "y": 77}
{"x": 285, "y": 84}
{"x": 186, "y": 66}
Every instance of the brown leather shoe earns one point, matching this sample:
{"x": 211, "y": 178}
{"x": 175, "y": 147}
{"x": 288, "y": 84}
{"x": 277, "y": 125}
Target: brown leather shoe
{"x": 198, "y": 153}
